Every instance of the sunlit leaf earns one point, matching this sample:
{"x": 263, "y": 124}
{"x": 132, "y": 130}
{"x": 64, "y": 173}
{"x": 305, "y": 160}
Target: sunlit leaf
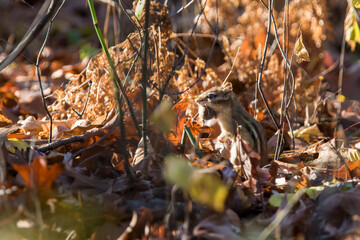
{"x": 4, "y": 121}
{"x": 139, "y": 8}
{"x": 340, "y": 98}
{"x": 208, "y": 189}
{"x": 351, "y": 28}
{"x": 349, "y": 154}
{"x": 301, "y": 54}
{"x": 356, "y": 3}
{"x": 18, "y": 143}
{"x": 352, "y": 165}
{"x": 178, "y": 126}
{"x": 306, "y": 132}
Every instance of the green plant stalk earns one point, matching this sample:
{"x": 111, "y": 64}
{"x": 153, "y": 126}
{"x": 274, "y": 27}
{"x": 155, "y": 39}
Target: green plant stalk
{"x": 116, "y": 83}
{"x": 113, "y": 75}
{"x": 183, "y": 142}
{"x": 193, "y": 141}
{"x": 144, "y": 73}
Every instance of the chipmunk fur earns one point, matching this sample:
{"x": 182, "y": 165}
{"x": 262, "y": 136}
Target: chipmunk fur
{"x": 221, "y": 103}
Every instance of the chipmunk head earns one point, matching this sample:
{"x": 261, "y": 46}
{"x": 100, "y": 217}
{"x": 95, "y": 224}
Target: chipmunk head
{"x": 214, "y": 100}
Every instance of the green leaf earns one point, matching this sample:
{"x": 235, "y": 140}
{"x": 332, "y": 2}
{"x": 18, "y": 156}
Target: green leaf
{"x": 276, "y": 199}
{"x": 16, "y": 143}
{"x": 178, "y": 171}
{"x": 163, "y": 116}
{"x": 313, "y": 192}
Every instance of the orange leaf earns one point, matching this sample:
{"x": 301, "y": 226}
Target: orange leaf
{"x": 135, "y": 96}
{"x": 301, "y": 182}
{"x": 342, "y": 172}
{"x": 197, "y": 129}
{"x": 259, "y": 39}
{"x": 9, "y": 87}
{"x": 353, "y": 165}
{"x": 19, "y": 136}
{"x": 38, "y": 175}
{"x": 259, "y": 116}
{"x": 180, "y": 110}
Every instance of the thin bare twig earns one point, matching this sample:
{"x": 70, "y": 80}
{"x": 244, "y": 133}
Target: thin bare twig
{"x": 325, "y": 72}
{"x": 86, "y": 102}
{"x": 172, "y": 72}
{"x": 232, "y": 66}
{"x": 137, "y": 26}
{"x": 341, "y": 74}
{"x": 262, "y": 67}
{"x": 283, "y": 112}
{"x": 38, "y": 70}
{"x": 210, "y": 54}
{"x": 182, "y": 8}
{"x": 207, "y": 35}
{"x": 281, "y": 51}
{"x": 50, "y": 8}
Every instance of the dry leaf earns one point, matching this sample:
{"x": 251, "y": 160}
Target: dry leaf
{"x": 219, "y": 226}
{"x": 308, "y": 132}
{"x": 38, "y": 175}
{"x": 141, "y": 163}
{"x": 4, "y": 121}
{"x": 180, "y": 110}
{"x": 301, "y": 54}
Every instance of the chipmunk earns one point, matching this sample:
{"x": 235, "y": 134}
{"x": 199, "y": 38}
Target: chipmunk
{"x": 221, "y": 103}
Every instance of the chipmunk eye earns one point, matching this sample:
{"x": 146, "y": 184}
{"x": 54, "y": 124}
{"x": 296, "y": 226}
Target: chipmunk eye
{"x": 211, "y": 96}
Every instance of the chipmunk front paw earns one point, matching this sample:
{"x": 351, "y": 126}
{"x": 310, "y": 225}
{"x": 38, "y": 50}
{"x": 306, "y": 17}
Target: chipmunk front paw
{"x": 224, "y": 137}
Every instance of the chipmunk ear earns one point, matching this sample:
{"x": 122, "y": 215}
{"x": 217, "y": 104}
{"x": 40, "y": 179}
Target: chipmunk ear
{"x": 227, "y": 87}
